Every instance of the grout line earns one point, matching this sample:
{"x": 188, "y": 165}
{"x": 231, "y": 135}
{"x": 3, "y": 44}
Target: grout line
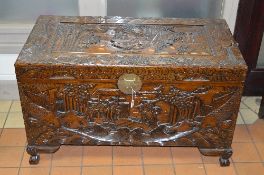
{"x": 239, "y": 112}
{"x": 6, "y": 118}
{"x": 173, "y": 163}
{"x": 249, "y": 162}
{"x": 136, "y": 165}
{"x": 243, "y": 98}
{"x": 249, "y": 108}
{"x": 50, "y": 167}
{"x": 204, "y": 163}
{"x": 94, "y": 166}
{"x": 21, "y": 160}
{"x": 205, "y": 172}
{"x": 11, "y": 146}
{"x": 142, "y": 160}
{"x": 252, "y": 141}
{"x": 201, "y": 156}
{"x": 234, "y": 164}
{"x": 16, "y": 112}
{"x": 82, "y": 159}
{"x": 112, "y": 160}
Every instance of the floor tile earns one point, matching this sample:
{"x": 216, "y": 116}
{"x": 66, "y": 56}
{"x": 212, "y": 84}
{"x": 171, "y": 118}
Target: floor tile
{"x": 189, "y": 169}
{"x": 158, "y": 169}
{"x": 252, "y": 103}
{"x": 2, "y": 119}
{"x": 260, "y": 148}
{"x": 239, "y": 121}
{"x": 248, "y": 116}
{"x": 15, "y": 120}
{"x": 11, "y": 156}
{"x": 16, "y": 107}
{"x": 186, "y": 155}
{"x": 249, "y": 168}
{"x": 216, "y": 169}
{"x": 8, "y": 171}
{"x": 34, "y": 171}
{"x": 127, "y": 170}
{"x": 97, "y": 170}
{"x": 67, "y": 156}
{"x": 45, "y": 160}
{"x": 65, "y": 170}
{"x": 256, "y": 130}
{"x": 127, "y": 156}
{"x": 242, "y": 106}
{"x": 8, "y": 90}
{"x": 157, "y": 155}
{"x": 5, "y": 105}
{"x": 210, "y": 159}
{"x": 245, "y": 152}
{"x": 241, "y": 134}
{"x": 97, "y": 155}
{"x": 13, "y": 137}
{"x": 243, "y": 98}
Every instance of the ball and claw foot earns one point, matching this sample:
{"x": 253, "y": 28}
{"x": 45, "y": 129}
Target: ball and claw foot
{"x": 34, "y": 155}
{"x": 224, "y": 159}
{"x": 224, "y": 162}
{"x": 33, "y": 160}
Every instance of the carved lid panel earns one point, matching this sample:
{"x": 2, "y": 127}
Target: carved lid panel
{"x": 130, "y": 41}
{"x": 166, "y": 49}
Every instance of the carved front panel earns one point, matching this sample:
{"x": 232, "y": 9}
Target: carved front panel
{"x": 97, "y": 113}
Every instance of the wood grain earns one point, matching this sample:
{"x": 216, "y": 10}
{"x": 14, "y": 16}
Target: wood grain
{"x": 191, "y": 76}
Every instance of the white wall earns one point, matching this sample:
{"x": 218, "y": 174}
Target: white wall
{"x": 230, "y": 13}
{"x": 92, "y": 7}
{"x": 98, "y": 8}
{"x": 7, "y": 70}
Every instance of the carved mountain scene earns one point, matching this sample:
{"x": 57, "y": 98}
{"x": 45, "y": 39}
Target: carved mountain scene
{"x": 156, "y": 115}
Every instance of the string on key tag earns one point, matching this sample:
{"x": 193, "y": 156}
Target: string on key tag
{"x": 132, "y": 98}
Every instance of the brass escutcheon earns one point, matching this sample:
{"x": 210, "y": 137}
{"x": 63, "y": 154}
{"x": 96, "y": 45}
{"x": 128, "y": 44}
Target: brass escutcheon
{"x": 129, "y": 83}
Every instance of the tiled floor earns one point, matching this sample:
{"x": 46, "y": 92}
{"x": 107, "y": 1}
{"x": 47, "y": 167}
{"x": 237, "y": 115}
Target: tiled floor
{"x": 248, "y": 157}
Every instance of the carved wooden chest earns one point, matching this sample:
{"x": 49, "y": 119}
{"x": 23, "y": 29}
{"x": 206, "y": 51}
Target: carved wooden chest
{"x": 128, "y": 81}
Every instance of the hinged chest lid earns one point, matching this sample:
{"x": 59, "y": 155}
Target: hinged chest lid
{"x": 106, "y": 47}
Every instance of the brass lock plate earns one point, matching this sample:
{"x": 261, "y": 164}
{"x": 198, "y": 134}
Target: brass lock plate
{"x": 129, "y": 83}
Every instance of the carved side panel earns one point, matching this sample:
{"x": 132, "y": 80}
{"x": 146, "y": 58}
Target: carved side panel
{"x": 159, "y": 114}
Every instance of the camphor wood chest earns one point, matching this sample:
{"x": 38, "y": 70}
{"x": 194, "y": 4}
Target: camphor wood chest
{"x": 129, "y": 81}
